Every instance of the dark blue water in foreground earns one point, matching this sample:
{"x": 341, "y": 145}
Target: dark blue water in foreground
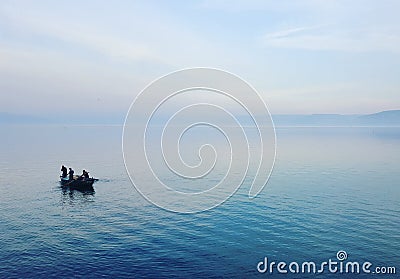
{"x": 332, "y": 189}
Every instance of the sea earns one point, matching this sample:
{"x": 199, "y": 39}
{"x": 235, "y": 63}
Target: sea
{"x": 333, "y": 197}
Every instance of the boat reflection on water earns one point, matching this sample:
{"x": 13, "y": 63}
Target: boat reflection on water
{"x": 77, "y": 190}
{"x": 74, "y": 197}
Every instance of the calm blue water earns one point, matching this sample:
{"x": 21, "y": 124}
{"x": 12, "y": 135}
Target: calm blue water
{"x": 332, "y": 189}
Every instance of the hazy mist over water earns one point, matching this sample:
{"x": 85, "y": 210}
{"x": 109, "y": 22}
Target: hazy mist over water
{"x": 331, "y": 189}
{"x": 75, "y": 76}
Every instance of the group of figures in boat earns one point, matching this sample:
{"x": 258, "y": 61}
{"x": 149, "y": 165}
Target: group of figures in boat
{"x": 79, "y": 182}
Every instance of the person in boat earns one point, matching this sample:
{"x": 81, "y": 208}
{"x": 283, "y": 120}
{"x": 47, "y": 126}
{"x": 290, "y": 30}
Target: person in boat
{"x": 71, "y": 174}
{"x": 64, "y": 171}
{"x": 85, "y": 174}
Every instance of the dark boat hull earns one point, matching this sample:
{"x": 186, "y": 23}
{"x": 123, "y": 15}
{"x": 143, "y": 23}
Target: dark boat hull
{"x": 81, "y": 185}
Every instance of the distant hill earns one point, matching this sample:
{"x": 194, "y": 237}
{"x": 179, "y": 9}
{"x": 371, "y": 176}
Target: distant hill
{"x": 384, "y": 118}
{"x": 389, "y": 117}
{"x": 315, "y": 120}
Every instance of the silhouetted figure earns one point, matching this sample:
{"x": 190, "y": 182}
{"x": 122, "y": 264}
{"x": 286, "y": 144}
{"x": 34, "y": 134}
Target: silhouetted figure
{"x": 71, "y": 174}
{"x": 85, "y": 174}
{"x": 64, "y": 171}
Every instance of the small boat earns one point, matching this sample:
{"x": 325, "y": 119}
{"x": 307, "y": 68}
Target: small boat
{"x": 78, "y": 183}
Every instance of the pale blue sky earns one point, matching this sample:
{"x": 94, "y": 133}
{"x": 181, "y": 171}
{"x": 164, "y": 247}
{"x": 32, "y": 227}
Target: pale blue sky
{"x": 302, "y": 56}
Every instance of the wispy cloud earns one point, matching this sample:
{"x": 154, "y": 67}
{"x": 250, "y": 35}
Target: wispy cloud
{"x": 333, "y": 39}
{"x": 143, "y": 39}
{"x": 338, "y": 25}
{"x": 288, "y": 32}
{"x": 78, "y": 34}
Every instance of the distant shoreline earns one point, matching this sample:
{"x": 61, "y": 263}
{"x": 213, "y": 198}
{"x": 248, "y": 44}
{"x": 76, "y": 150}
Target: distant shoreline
{"x": 388, "y": 119}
